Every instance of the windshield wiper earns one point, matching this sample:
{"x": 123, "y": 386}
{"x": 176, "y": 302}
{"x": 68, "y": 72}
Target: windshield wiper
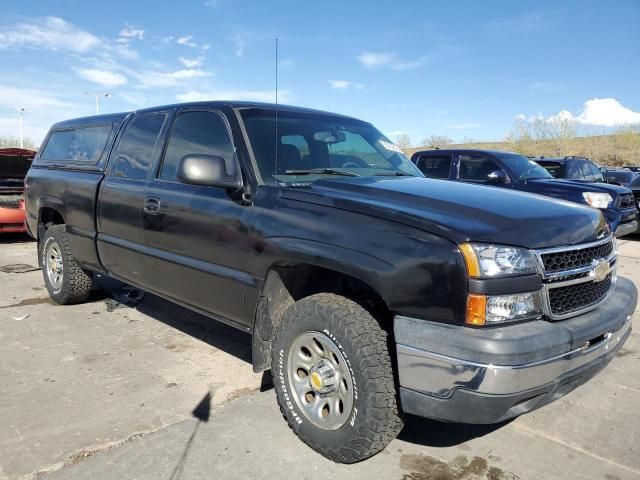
{"x": 321, "y": 171}
{"x": 394, "y": 174}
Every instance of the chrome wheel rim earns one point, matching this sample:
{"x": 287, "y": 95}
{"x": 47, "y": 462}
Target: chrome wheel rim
{"x": 320, "y": 379}
{"x": 54, "y": 266}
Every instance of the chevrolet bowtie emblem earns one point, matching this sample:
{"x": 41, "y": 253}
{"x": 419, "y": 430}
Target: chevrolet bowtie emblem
{"x": 601, "y": 269}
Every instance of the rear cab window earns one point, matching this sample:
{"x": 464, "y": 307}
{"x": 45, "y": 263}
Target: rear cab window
{"x": 78, "y": 145}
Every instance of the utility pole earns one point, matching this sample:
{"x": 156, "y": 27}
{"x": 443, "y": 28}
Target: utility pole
{"x": 97, "y": 97}
{"x": 21, "y": 111}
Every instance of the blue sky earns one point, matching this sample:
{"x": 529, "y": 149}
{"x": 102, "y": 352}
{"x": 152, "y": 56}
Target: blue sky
{"x": 462, "y": 69}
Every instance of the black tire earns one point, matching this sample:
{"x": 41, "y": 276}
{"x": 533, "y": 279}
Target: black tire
{"x": 75, "y": 283}
{"x": 375, "y": 419}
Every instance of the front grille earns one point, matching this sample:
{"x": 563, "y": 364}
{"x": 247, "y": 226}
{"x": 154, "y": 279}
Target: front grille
{"x": 572, "y": 298}
{"x": 569, "y": 259}
{"x": 626, "y": 200}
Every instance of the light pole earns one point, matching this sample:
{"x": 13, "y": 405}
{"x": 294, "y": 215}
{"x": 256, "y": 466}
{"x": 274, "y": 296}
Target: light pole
{"x": 21, "y": 112}
{"x": 97, "y": 97}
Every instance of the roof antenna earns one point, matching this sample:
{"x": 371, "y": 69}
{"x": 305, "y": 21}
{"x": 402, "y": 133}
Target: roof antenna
{"x": 276, "y": 127}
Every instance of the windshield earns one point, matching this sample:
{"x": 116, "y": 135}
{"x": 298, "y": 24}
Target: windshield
{"x": 523, "y": 168}
{"x": 618, "y": 177}
{"x": 556, "y": 169}
{"x": 635, "y": 183}
{"x": 312, "y": 146}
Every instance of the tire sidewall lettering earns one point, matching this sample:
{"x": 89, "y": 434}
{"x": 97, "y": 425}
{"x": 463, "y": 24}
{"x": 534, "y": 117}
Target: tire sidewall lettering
{"x": 285, "y": 393}
{"x": 354, "y": 414}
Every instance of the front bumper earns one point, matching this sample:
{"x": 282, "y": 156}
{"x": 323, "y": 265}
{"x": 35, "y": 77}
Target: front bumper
{"x": 467, "y": 375}
{"x": 626, "y": 228}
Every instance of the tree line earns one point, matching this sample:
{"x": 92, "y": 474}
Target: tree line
{"x": 555, "y": 137}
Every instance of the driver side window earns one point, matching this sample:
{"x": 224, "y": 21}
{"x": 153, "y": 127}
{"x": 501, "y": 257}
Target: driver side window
{"x": 474, "y": 168}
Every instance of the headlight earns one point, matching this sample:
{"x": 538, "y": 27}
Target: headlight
{"x": 485, "y": 260}
{"x": 495, "y": 309}
{"x": 597, "y": 199}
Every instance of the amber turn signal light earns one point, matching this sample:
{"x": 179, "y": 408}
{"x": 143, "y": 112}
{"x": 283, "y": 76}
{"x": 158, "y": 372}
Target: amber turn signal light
{"x": 476, "y": 309}
{"x": 471, "y": 259}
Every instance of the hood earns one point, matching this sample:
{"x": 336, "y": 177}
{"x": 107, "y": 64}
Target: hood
{"x": 577, "y": 186}
{"x": 462, "y": 212}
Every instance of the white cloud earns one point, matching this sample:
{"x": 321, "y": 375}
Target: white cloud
{"x": 191, "y": 62}
{"x": 251, "y": 95}
{"x": 102, "y": 77}
{"x": 345, "y": 84}
{"x": 134, "y": 98}
{"x": 599, "y": 112}
{"x": 43, "y": 109}
{"x": 187, "y": 41}
{"x": 390, "y": 60}
{"x": 607, "y": 112}
{"x": 30, "y": 98}
{"x": 169, "y": 79}
{"x": 52, "y": 33}
{"x": 130, "y": 32}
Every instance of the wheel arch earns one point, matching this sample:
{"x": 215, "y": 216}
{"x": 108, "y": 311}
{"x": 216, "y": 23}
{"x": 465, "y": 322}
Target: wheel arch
{"x": 285, "y": 283}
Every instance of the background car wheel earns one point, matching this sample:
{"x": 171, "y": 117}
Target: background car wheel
{"x": 65, "y": 280}
{"x": 334, "y": 379}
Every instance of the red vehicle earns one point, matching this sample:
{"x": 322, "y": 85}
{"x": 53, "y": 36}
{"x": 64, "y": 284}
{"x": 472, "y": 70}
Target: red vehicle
{"x": 14, "y": 164}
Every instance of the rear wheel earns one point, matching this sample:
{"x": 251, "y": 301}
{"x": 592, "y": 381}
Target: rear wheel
{"x": 333, "y": 378}
{"x": 65, "y": 280}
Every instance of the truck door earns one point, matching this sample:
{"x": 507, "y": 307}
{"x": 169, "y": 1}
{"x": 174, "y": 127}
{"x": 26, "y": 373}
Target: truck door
{"x": 195, "y": 237}
{"x": 121, "y": 198}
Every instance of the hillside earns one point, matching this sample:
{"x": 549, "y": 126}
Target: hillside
{"x": 615, "y": 150}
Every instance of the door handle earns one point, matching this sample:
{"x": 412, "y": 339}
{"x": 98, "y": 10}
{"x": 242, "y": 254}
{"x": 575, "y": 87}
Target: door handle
{"x": 151, "y": 206}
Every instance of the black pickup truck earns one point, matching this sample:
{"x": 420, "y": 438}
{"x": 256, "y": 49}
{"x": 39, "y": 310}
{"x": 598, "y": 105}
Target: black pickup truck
{"x": 369, "y": 290}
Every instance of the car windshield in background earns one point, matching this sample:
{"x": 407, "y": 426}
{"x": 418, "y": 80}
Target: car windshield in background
{"x": 523, "y": 168}
{"x": 619, "y": 177}
{"x": 635, "y": 183}
{"x": 311, "y": 146}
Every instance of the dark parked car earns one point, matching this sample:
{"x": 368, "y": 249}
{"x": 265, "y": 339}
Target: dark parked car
{"x": 620, "y": 177}
{"x": 635, "y": 169}
{"x": 368, "y": 290}
{"x": 516, "y": 172}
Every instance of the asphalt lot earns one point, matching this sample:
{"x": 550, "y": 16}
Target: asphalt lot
{"x": 133, "y": 387}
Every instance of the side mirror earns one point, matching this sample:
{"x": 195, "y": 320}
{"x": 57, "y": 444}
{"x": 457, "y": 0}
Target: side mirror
{"x": 497, "y": 176}
{"x": 208, "y": 171}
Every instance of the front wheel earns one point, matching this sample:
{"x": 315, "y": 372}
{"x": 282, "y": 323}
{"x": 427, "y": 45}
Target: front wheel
{"x": 334, "y": 379}
{"x": 65, "y": 280}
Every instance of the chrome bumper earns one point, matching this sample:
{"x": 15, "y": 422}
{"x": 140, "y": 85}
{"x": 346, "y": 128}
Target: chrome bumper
{"x": 439, "y": 375}
{"x": 627, "y": 228}
{"x": 461, "y": 374}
